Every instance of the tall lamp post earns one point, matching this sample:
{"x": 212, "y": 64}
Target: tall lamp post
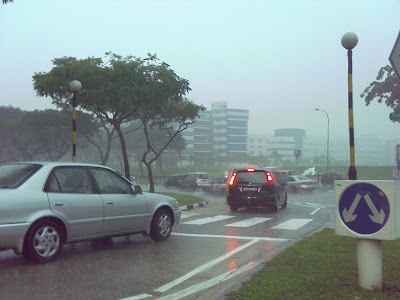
{"x": 327, "y": 141}
{"x": 349, "y": 41}
{"x": 75, "y": 86}
{"x": 369, "y": 251}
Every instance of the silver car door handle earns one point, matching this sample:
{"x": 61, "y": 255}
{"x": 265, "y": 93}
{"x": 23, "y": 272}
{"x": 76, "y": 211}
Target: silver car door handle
{"x": 58, "y": 204}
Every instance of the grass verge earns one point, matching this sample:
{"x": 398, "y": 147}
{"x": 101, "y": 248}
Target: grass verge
{"x": 322, "y": 266}
{"x": 184, "y": 199}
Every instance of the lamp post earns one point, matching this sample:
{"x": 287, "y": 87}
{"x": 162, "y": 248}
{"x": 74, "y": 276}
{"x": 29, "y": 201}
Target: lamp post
{"x": 75, "y": 86}
{"x": 327, "y": 141}
{"x": 349, "y": 41}
{"x": 369, "y": 251}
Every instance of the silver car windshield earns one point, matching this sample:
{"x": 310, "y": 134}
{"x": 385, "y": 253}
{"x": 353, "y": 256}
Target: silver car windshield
{"x": 13, "y": 175}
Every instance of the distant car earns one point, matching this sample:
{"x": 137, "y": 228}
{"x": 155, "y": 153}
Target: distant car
{"x": 297, "y": 183}
{"x": 45, "y": 205}
{"x": 195, "y": 180}
{"x": 329, "y": 178}
{"x": 255, "y": 188}
{"x": 173, "y": 180}
{"x": 218, "y": 185}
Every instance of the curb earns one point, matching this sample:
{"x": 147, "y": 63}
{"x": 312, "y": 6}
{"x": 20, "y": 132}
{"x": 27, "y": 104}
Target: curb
{"x": 191, "y": 206}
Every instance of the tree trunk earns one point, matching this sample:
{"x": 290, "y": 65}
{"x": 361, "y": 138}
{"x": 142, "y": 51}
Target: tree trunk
{"x": 124, "y": 152}
{"x": 108, "y": 149}
{"x": 151, "y": 180}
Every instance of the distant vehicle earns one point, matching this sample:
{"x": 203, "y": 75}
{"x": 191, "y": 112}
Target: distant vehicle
{"x": 218, "y": 185}
{"x": 45, "y": 205}
{"x": 173, "y": 180}
{"x": 329, "y": 178}
{"x": 297, "y": 183}
{"x": 194, "y": 180}
{"x": 255, "y": 188}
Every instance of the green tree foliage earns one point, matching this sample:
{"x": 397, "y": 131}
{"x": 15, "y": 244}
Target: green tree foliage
{"x": 123, "y": 89}
{"x": 39, "y": 135}
{"x": 110, "y": 89}
{"x": 386, "y": 88}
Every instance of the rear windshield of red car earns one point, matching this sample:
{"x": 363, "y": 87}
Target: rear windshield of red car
{"x": 13, "y": 175}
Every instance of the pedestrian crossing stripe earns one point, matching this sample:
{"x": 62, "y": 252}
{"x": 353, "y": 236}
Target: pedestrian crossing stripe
{"x": 249, "y": 222}
{"x": 208, "y": 220}
{"x": 292, "y": 224}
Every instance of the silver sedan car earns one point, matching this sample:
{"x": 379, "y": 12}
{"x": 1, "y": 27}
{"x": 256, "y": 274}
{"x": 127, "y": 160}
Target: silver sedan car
{"x": 45, "y": 205}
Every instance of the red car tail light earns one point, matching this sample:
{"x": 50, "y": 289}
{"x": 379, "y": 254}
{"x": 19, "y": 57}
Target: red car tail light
{"x": 269, "y": 177}
{"x": 232, "y": 180}
{"x": 303, "y": 181}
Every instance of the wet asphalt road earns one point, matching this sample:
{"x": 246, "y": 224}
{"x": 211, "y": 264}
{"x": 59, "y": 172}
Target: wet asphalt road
{"x": 209, "y": 253}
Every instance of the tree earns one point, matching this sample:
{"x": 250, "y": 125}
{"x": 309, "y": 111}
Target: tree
{"x": 121, "y": 90}
{"x": 109, "y": 88}
{"x": 276, "y": 157}
{"x": 7, "y": 1}
{"x": 40, "y": 135}
{"x": 98, "y": 142}
{"x": 386, "y": 88}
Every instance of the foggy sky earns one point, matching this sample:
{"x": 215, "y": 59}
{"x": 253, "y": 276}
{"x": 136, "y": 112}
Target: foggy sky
{"x": 279, "y": 59}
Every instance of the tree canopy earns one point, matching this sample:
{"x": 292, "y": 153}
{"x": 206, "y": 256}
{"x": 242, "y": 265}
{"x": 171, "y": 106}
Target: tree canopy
{"x": 123, "y": 89}
{"x": 386, "y": 88}
{"x": 39, "y": 135}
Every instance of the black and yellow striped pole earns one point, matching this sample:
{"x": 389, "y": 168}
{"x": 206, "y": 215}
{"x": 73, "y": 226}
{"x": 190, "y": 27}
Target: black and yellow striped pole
{"x": 349, "y": 41}
{"x": 75, "y": 86}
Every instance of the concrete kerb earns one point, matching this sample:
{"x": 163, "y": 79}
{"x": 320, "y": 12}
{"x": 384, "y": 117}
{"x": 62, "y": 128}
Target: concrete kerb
{"x": 192, "y": 206}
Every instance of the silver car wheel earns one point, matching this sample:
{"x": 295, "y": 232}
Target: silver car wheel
{"x": 46, "y": 241}
{"x": 164, "y": 225}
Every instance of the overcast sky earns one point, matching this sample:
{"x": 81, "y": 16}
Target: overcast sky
{"x": 278, "y": 59}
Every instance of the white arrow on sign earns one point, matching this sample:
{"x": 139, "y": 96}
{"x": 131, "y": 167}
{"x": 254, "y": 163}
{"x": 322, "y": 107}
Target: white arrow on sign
{"x": 377, "y": 217}
{"x": 348, "y": 215}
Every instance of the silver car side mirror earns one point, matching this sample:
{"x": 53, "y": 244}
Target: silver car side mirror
{"x": 137, "y": 189}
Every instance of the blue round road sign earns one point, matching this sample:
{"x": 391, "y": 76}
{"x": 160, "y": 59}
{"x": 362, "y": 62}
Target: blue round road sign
{"x": 364, "y": 208}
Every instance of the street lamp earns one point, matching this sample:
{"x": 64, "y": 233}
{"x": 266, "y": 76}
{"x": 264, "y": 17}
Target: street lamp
{"x": 349, "y": 41}
{"x": 366, "y": 248}
{"x": 327, "y": 142}
{"x": 75, "y": 86}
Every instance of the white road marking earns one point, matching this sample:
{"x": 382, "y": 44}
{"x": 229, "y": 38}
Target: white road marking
{"x": 208, "y": 220}
{"x": 249, "y": 222}
{"x": 314, "y": 205}
{"x": 179, "y": 280}
{"x": 292, "y": 224}
{"x": 307, "y": 205}
{"x": 187, "y": 215}
{"x": 138, "y": 297}
{"x": 209, "y": 283}
{"x": 315, "y": 211}
{"x": 267, "y": 239}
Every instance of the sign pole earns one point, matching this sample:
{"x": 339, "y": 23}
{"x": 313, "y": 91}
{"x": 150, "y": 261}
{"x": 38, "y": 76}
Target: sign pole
{"x": 369, "y": 262}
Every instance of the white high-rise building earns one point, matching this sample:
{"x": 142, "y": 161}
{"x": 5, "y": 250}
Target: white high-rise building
{"x": 219, "y": 131}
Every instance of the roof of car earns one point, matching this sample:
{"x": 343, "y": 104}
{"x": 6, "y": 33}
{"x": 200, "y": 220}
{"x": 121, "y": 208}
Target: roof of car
{"x": 58, "y": 163}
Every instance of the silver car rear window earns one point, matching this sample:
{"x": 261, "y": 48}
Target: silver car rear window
{"x": 13, "y": 175}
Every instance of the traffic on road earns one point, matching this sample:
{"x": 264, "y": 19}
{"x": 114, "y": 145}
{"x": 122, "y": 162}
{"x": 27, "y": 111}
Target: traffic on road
{"x": 207, "y": 254}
